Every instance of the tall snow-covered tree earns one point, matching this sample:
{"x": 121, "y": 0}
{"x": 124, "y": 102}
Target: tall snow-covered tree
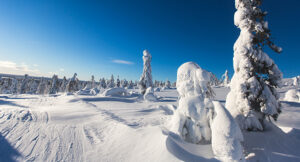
{"x": 42, "y": 87}
{"x": 14, "y": 86}
{"x": 118, "y": 82}
{"x": 130, "y": 85}
{"x": 63, "y": 84}
{"x": 168, "y": 84}
{"x": 146, "y": 78}
{"x": 54, "y": 85}
{"x": 225, "y": 78}
{"x": 93, "y": 83}
{"x": 24, "y": 85}
{"x": 102, "y": 83}
{"x": 73, "y": 84}
{"x": 111, "y": 82}
{"x": 253, "y": 96}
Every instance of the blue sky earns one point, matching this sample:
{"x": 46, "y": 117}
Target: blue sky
{"x": 107, "y": 37}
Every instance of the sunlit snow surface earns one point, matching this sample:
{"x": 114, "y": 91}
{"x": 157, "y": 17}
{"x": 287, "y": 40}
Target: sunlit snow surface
{"x": 124, "y": 128}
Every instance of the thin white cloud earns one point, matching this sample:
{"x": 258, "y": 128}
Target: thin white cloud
{"x": 122, "y": 62}
{"x": 9, "y": 67}
{"x": 61, "y": 69}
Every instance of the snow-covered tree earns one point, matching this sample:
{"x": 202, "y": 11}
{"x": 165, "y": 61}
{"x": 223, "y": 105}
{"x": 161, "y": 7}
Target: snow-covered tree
{"x": 33, "y": 85}
{"x": 42, "y": 88}
{"x": 54, "y": 85}
{"x": 146, "y": 78}
{"x": 118, "y": 82}
{"x": 5, "y": 86}
{"x": 253, "y": 96}
{"x": 225, "y": 78}
{"x": 102, "y": 83}
{"x": 111, "y": 82}
{"x": 63, "y": 84}
{"x": 296, "y": 81}
{"x": 14, "y": 86}
{"x": 130, "y": 85}
{"x": 168, "y": 84}
{"x": 199, "y": 120}
{"x": 72, "y": 85}
{"x": 24, "y": 85}
{"x": 93, "y": 83}
{"x": 124, "y": 83}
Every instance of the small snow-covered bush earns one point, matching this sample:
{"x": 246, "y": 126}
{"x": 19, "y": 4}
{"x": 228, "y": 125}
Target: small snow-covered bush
{"x": 199, "y": 120}
{"x": 115, "y": 92}
{"x": 149, "y": 95}
{"x": 292, "y": 95}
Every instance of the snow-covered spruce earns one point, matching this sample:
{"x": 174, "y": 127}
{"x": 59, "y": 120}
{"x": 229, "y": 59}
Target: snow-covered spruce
{"x": 111, "y": 82}
{"x": 63, "y": 85}
{"x": 167, "y": 84}
{"x": 225, "y": 78}
{"x": 42, "y": 87}
{"x": 14, "y": 86}
{"x": 72, "y": 85}
{"x": 253, "y": 96}
{"x": 199, "y": 120}
{"x": 24, "y": 85}
{"x": 54, "y": 85}
{"x": 146, "y": 78}
{"x": 118, "y": 82}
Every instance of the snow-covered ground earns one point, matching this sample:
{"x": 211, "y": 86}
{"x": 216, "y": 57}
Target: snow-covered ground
{"x": 98, "y": 128}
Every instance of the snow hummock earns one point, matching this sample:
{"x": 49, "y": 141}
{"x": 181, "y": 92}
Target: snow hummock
{"x": 115, "y": 92}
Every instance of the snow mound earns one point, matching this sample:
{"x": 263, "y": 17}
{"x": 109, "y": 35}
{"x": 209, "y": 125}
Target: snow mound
{"x": 115, "y": 92}
{"x": 87, "y": 91}
{"x": 157, "y": 89}
{"x": 292, "y": 95}
{"x": 149, "y": 95}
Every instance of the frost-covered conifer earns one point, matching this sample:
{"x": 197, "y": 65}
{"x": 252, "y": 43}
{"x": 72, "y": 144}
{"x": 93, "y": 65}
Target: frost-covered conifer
{"x": 225, "y": 78}
{"x": 118, "y": 82}
{"x": 14, "y": 86}
{"x": 63, "y": 84}
{"x": 168, "y": 84}
{"x": 54, "y": 85}
{"x": 146, "y": 78}
{"x": 73, "y": 84}
{"x": 33, "y": 85}
{"x": 199, "y": 120}
{"x": 102, "y": 83}
{"x": 124, "y": 83}
{"x": 93, "y": 83}
{"x": 42, "y": 88}
{"x": 130, "y": 85}
{"x": 5, "y": 86}
{"x": 253, "y": 96}
{"x": 24, "y": 85}
{"x": 111, "y": 82}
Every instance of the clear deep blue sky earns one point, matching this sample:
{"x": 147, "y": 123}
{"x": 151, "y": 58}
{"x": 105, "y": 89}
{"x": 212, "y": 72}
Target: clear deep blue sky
{"x": 64, "y": 36}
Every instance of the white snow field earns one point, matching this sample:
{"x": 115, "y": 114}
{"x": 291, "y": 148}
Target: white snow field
{"x": 124, "y": 128}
